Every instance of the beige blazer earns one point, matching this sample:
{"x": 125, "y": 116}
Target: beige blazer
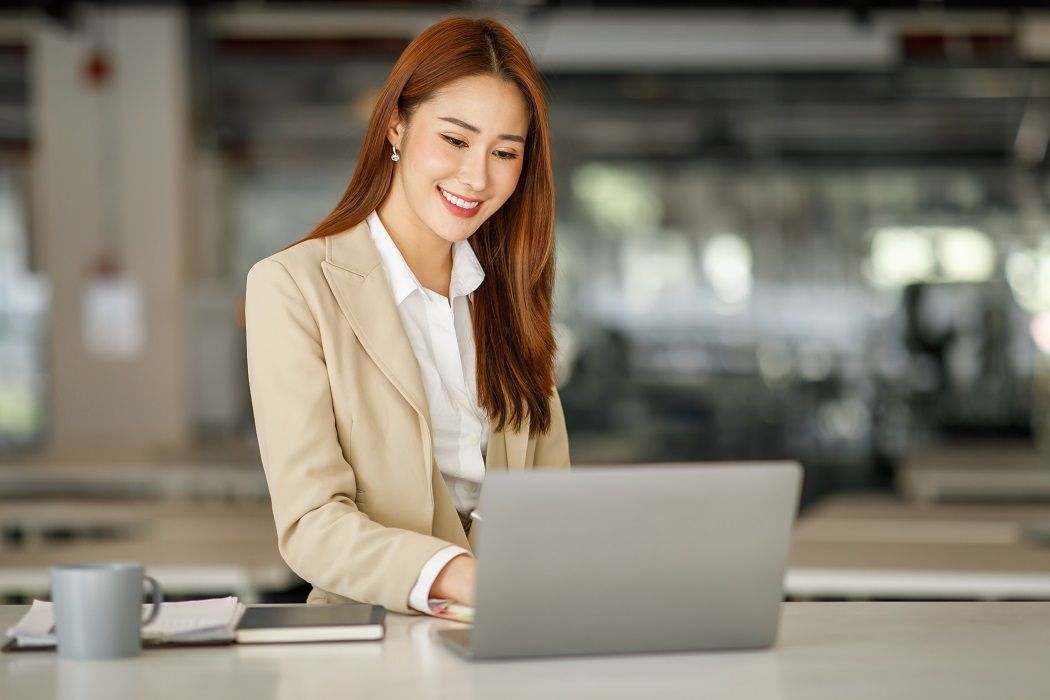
{"x": 344, "y": 431}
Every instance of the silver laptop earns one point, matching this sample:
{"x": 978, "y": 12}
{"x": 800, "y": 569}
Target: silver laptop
{"x": 649, "y": 558}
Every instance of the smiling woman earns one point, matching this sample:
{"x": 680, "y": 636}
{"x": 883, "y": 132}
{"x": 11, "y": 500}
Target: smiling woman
{"x": 448, "y": 166}
{"x": 404, "y": 347}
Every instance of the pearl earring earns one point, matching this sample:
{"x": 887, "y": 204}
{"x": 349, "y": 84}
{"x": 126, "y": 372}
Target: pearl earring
{"x": 395, "y": 157}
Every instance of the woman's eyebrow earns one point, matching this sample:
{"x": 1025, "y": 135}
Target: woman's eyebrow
{"x": 476, "y": 130}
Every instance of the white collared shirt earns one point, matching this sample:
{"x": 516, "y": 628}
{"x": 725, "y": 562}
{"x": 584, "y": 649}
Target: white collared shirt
{"x": 442, "y": 339}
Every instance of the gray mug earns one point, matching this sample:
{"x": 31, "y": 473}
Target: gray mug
{"x": 98, "y": 609}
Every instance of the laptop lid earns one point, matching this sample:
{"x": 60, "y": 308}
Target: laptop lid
{"x": 633, "y": 559}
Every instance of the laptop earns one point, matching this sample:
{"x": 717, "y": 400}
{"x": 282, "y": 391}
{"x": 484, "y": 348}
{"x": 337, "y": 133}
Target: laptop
{"x": 646, "y": 558}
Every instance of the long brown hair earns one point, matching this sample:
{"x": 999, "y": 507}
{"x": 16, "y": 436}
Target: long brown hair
{"x": 511, "y": 309}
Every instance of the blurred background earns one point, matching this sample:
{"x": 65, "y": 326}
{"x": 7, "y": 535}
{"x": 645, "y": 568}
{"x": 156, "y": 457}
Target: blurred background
{"x": 786, "y": 230}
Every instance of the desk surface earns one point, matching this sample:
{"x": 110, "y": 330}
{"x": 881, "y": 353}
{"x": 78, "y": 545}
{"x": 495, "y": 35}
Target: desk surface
{"x": 825, "y": 650}
{"x": 882, "y": 547}
{"x": 852, "y": 547}
{"x": 193, "y": 548}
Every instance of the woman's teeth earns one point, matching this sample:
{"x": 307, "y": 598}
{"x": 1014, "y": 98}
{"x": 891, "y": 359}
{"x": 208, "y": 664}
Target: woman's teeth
{"x": 459, "y": 202}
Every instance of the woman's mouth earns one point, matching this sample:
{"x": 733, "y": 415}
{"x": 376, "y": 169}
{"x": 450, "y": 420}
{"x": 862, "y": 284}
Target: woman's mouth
{"x": 459, "y": 206}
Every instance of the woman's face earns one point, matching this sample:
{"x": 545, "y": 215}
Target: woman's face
{"x": 467, "y": 143}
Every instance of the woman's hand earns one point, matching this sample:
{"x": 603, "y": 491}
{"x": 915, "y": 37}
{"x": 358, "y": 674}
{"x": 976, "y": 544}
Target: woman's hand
{"x": 457, "y": 580}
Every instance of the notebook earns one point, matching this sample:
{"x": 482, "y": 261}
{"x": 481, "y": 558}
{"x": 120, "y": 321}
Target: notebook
{"x": 194, "y": 622}
{"x": 311, "y": 623}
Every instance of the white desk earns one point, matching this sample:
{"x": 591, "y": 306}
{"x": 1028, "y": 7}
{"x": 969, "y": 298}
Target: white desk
{"x": 826, "y": 650}
{"x": 192, "y": 548}
{"x": 100, "y": 477}
{"x": 977, "y": 471}
{"x": 879, "y": 547}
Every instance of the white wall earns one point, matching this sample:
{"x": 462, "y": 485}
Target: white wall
{"x": 132, "y": 137}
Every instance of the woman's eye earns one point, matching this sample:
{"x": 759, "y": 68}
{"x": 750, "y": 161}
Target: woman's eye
{"x": 502, "y": 155}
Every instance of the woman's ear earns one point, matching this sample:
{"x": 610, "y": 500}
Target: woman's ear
{"x": 395, "y": 130}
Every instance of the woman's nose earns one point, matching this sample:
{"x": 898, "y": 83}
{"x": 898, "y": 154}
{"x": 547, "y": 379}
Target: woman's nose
{"x": 474, "y": 173}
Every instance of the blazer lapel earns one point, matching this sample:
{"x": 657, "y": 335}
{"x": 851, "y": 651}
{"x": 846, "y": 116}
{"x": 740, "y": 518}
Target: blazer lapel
{"x": 506, "y": 451}
{"x": 355, "y": 274}
{"x": 507, "y": 448}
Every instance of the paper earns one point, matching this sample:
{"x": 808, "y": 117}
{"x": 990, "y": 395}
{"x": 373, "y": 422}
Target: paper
{"x": 196, "y": 620}
{"x": 451, "y": 610}
{"x": 212, "y": 620}
{"x": 113, "y": 318}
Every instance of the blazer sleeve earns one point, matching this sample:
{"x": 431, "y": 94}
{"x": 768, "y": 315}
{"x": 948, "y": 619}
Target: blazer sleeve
{"x": 321, "y": 534}
{"x": 552, "y": 447}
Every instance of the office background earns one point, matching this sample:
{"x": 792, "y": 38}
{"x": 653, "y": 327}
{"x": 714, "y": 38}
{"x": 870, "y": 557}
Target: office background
{"x": 786, "y": 230}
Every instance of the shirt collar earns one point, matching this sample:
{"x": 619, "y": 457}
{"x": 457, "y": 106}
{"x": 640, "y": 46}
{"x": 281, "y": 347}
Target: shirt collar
{"x": 467, "y": 273}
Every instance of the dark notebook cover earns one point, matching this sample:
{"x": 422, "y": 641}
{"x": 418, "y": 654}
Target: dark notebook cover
{"x": 293, "y": 623}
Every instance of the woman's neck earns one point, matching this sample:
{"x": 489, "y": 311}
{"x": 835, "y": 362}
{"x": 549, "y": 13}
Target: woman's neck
{"x": 428, "y": 255}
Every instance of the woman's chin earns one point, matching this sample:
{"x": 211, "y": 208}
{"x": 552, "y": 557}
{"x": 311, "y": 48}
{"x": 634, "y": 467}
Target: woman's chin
{"x": 453, "y": 232}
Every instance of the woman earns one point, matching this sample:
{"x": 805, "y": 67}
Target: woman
{"x": 405, "y": 347}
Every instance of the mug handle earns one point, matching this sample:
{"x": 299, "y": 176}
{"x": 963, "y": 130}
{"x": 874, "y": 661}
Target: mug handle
{"x": 158, "y": 599}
